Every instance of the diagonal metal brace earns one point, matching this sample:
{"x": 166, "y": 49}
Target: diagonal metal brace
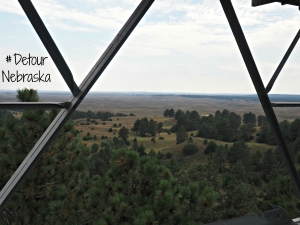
{"x": 260, "y": 89}
{"x": 49, "y": 44}
{"x": 65, "y": 114}
{"x": 283, "y": 61}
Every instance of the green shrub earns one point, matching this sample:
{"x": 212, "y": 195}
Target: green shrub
{"x": 86, "y": 138}
{"x": 94, "y": 148}
{"x": 211, "y": 148}
{"x": 169, "y": 155}
{"x": 160, "y": 155}
{"x": 190, "y": 149}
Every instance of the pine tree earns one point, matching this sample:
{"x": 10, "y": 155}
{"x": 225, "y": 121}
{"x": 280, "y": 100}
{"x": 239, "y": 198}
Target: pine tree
{"x": 123, "y": 133}
{"x": 239, "y": 171}
{"x": 267, "y": 163}
{"x": 152, "y": 127}
{"x": 239, "y": 151}
{"x": 179, "y": 114}
{"x": 181, "y": 135}
{"x": 171, "y": 112}
{"x": 241, "y": 200}
{"x": 137, "y": 190}
{"x": 159, "y": 128}
{"x": 53, "y": 192}
{"x": 166, "y": 113}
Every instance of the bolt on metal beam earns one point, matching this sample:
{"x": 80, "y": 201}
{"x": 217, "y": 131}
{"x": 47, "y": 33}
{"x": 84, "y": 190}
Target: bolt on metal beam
{"x": 65, "y": 114}
{"x": 260, "y": 89}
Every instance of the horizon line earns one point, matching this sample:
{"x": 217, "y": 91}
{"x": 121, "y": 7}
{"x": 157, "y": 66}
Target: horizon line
{"x": 147, "y": 92}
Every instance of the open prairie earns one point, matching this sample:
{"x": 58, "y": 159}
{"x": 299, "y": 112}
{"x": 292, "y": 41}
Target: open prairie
{"x": 165, "y": 145}
{"x": 154, "y": 105}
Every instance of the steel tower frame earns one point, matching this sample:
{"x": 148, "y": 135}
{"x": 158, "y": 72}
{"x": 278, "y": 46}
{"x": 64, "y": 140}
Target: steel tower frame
{"x": 277, "y": 215}
{"x": 67, "y": 108}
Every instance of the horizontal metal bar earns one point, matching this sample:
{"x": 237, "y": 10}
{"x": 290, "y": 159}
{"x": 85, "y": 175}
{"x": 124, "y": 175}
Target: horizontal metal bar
{"x": 49, "y": 44}
{"x": 65, "y": 114}
{"x": 272, "y": 217}
{"x": 262, "y": 2}
{"x": 283, "y": 2}
{"x": 34, "y": 105}
{"x": 273, "y": 104}
{"x": 260, "y": 89}
{"x": 283, "y": 61}
{"x": 290, "y": 2}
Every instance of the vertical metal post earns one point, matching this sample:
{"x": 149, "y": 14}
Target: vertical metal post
{"x": 260, "y": 89}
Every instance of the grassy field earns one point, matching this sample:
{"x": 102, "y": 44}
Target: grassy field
{"x": 150, "y": 105}
{"x": 153, "y": 107}
{"x": 168, "y": 144}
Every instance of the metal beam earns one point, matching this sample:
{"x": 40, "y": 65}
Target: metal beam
{"x": 260, "y": 89}
{"x": 283, "y": 2}
{"x": 34, "y": 105}
{"x": 262, "y": 2}
{"x": 290, "y": 2}
{"x": 65, "y": 114}
{"x": 276, "y": 216}
{"x": 283, "y": 61}
{"x": 49, "y": 44}
{"x": 273, "y": 104}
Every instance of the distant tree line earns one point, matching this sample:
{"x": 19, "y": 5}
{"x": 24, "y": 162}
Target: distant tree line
{"x": 273, "y": 97}
{"x": 224, "y": 126}
{"x": 99, "y": 115}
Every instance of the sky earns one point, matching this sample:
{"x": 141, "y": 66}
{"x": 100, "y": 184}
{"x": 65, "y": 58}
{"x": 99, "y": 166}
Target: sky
{"x": 179, "y": 45}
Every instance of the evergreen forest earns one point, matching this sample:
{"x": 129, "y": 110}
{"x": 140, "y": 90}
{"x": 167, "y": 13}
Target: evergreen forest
{"x": 116, "y": 179}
